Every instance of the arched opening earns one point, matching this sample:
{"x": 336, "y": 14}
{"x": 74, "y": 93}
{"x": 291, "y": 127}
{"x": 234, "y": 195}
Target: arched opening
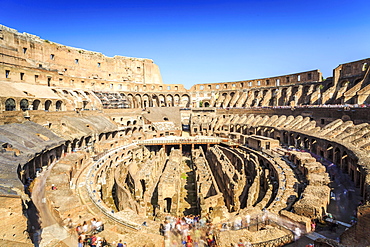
{"x": 291, "y": 139}
{"x": 169, "y": 100}
{"x": 298, "y": 142}
{"x": 10, "y": 105}
{"x": 35, "y": 104}
{"x": 285, "y": 138}
{"x": 47, "y": 105}
{"x": 313, "y": 146}
{"x": 24, "y": 105}
{"x": 337, "y": 156}
{"x": 306, "y": 143}
{"x": 167, "y": 207}
{"x": 345, "y": 162}
{"x": 330, "y": 152}
{"x": 58, "y": 105}
{"x": 143, "y": 187}
{"x": 185, "y": 100}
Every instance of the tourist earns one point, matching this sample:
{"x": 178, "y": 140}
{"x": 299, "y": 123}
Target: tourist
{"x": 98, "y": 242}
{"x": 120, "y": 244}
{"x": 93, "y": 241}
{"x": 99, "y": 226}
{"x": 69, "y": 222}
{"x": 297, "y": 233}
{"x": 240, "y": 243}
{"x": 85, "y": 227}
{"x": 79, "y": 229}
{"x": 313, "y": 225}
{"x": 161, "y": 229}
{"x": 80, "y": 241}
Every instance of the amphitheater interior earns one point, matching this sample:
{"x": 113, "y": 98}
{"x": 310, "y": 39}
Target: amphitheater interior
{"x": 88, "y": 136}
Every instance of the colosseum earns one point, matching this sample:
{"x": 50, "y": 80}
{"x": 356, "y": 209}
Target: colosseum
{"x": 99, "y": 146}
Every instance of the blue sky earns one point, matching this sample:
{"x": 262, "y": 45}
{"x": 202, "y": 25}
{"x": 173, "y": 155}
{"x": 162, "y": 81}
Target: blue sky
{"x": 206, "y": 41}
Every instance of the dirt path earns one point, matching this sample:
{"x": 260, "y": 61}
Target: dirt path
{"x": 46, "y": 227}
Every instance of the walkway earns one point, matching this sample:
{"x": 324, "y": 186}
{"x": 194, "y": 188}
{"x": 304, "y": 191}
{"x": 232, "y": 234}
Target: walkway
{"x": 47, "y": 230}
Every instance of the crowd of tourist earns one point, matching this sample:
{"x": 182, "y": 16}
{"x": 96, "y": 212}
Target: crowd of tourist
{"x": 87, "y": 233}
{"x": 188, "y": 231}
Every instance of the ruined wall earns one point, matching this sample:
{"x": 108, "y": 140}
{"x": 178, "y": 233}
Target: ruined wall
{"x": 356, "y": 235}
{"x": 13, "y": 225}
{"x": 32, "y": 56}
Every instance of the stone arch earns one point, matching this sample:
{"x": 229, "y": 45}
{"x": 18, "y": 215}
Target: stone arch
{"x": 305, "y": 98}
{"x": 10, "y": 105}
{"x": 35, "y": 104}
{"x": 128, "y": 131}
{"x": 146, "y": 101}
{"x": 282, "y": 99}
{"x": 298, "y": 141}
{"x": 291, "y": 139}
{"x": 131, "y": 101}
{"x": 313, "y": 146}
{"x": 245, "y": 130}
{"x": 169, "y": 100}
{"x": 87, "y": 140}
{"x": 306, "y": 143}
{"x": 176, "y": 100}
{"x": 238, "y": 128}
{"x": 114, "y": 134}
{"x": 255, "y": 101}
{"x": 101, "y": 135}
{"x": 231, "y": 99}
{"x": 80, "y": 142}
{"x": 67, "y": 147}
{"x": 344, "y": 162}
{"x": 162, "y": 100}
{"x": 330, "y": 152}
{"x": 185, "y": 100}
{"x": 222, "y": 99}
{"x": 24, "y": 104}
{"x": 344, "y": 83}
{"x": 264, "y": 93}
{"x": 155, "y": 100}
{"x": 47, "y": 105}
{"x": 337, "y": 156}
{"x": 138, "y": 100}
{"x": 285, "y": 137}
{"x": 74, "y": 145}
{"x": 58, "y": 105}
